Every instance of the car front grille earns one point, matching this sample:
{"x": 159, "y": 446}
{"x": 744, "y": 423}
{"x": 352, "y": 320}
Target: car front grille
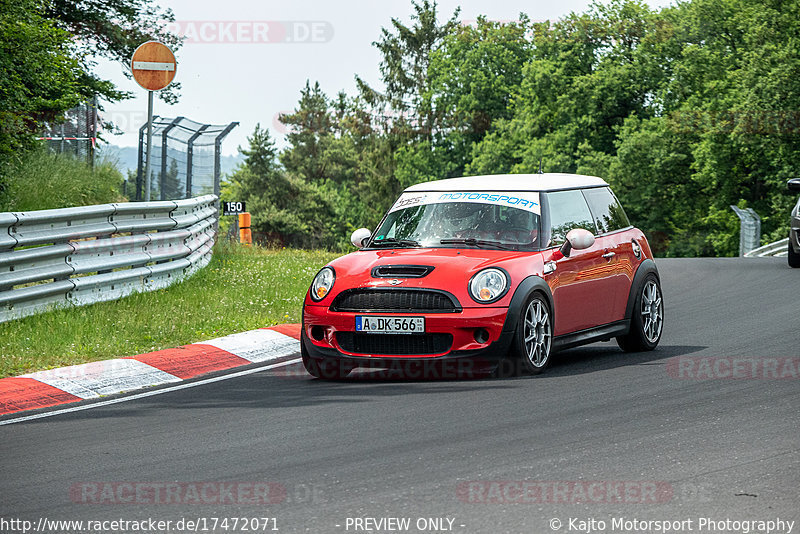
{"x": 394, "y": 344}
{"x": 395, "y": 301}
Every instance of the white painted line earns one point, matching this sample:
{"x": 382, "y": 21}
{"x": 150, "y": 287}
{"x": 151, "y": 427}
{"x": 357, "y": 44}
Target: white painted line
{"x": 153, "y": 65}
{"x": 148, "y": 393}
{"x": 257, "y": 345}
{"x": 107, "y": 377}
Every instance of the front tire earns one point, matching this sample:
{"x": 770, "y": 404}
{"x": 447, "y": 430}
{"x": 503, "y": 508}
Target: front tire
{"x": 534, "y": 336}
{"x": 794, "y": 257}
{"x": 647, "y": 322}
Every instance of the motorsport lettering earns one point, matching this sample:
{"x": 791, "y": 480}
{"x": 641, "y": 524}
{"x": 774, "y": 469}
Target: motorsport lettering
{"x": 491, "y": 198}
{"x": 528, "y": 201}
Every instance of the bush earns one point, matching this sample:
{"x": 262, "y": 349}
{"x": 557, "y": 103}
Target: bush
{"x": 41, "y": 180}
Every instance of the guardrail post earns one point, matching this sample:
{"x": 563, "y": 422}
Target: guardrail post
{"x": 749, "y": 229}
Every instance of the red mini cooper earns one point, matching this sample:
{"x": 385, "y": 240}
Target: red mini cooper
{"x": 472, "y": 272}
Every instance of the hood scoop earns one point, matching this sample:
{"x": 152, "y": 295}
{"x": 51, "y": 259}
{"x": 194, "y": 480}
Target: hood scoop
{"x": 401, "y": 271}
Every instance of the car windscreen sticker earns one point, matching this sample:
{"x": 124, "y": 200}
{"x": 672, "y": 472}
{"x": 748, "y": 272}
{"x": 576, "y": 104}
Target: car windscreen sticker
{"x": 524, "y": 200}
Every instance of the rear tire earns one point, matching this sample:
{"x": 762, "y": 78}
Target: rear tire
{"x": 794, "y": 257}
{"x": 533, "y": 339}
{"x": 647, "y": 322}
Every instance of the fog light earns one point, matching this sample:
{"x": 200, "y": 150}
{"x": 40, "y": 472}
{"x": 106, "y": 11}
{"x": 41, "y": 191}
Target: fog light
{"x": 481, "y": 335}
{"x": 318, "y": 332}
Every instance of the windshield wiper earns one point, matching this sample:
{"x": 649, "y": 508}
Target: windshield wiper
{"x": 477, "y": 243}
{"x": 391, "y": 241}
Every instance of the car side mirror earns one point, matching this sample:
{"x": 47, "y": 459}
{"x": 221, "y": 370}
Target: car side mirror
{"x": 359, "y": 237}
{"x": 794, "y": 185}
{"x": 577, "y": 239}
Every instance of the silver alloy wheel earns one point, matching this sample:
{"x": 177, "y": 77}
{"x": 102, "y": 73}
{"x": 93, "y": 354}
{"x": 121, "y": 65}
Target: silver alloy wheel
{"x": 537, "y": 333}
{"x": 652, "y": 311}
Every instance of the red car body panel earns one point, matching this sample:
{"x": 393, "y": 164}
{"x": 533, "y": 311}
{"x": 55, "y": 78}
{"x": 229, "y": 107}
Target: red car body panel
{"x": 588, "y": 289}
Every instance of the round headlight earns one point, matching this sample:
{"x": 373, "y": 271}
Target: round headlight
{"x": 488, "y": 285}
{"x": 322, "y": 283}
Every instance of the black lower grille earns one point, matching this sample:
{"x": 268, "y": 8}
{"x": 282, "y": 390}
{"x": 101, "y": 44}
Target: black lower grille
{"x": 395, "y": 300}
{"x": 393, "y": 344}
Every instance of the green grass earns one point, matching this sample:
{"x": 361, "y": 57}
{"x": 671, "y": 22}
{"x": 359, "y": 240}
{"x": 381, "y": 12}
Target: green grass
{"x": 241, "y": 289}
{"x": 41, "y": 180}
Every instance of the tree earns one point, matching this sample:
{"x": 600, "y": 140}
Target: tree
{"x": 112, "y": 29}
{"x": 404, "y": 67}
{"x": 39, "y": 77}
{"x": 48, "y": 59}
{"x": 285, "y": 209}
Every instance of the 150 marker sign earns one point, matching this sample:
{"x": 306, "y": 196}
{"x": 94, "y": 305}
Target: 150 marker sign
{"x": 233, "y": 208}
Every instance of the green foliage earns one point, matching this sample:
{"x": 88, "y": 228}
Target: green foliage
{"x": 41, "y": 180}
{"x": 38, "y": 76}
{"x": 685, "y": 110}
{"x": 112, "y": 29}
{"x": 286, "y": 209}
{"x": 48, "y": 60}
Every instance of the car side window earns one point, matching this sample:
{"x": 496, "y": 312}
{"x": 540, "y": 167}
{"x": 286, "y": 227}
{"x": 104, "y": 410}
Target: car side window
{"x": 568, "y": 210}
{"x": 606, "y": 209}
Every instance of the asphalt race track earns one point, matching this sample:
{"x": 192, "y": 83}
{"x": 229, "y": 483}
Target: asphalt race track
{"x": 601, "y": 435}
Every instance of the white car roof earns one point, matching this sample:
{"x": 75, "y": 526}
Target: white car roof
{"x": 550, "y": 181}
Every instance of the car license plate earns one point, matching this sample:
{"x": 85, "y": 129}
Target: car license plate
{"x": 390, "y": 325}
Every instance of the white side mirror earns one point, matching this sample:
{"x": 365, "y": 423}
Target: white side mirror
{"x": 577, "y": 239}
{"x": 360, "y": 237}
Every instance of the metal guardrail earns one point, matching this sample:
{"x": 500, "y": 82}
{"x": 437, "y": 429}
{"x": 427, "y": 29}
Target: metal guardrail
{"x": 778, "y": 248}
{"x": 78, "y": 256}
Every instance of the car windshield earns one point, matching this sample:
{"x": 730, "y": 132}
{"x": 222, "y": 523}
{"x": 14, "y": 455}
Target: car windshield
{"x": 508, "y": 221}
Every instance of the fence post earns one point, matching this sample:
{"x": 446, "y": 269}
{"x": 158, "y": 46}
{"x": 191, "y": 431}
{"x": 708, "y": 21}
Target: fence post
{"x": 139, "y": 183}
{"x": 189, "y": 155}
{"x": 217, "y": 143}
{"x": 170, "y": 126}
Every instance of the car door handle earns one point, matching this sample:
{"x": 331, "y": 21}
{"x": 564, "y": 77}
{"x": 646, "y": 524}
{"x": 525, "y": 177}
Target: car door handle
{"x": 608, "y": 255}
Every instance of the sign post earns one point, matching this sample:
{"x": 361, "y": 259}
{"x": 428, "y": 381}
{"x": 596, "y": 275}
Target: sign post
{"x": 153, "y": 66}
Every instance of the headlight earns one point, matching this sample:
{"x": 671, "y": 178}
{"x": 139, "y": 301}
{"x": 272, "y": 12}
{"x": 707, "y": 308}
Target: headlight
{"x": 488, "y": 285}
{"x": 322, "y": 283}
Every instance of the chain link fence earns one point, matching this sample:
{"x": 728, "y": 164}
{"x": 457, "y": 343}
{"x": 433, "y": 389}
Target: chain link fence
{"x": 185, "y": 158}
{"x": 76, "y": 135}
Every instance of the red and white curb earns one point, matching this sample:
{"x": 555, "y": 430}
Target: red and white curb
{"x": 45, "y": 389}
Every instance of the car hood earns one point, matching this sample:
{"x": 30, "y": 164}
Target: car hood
{"x": 452, "y": 269}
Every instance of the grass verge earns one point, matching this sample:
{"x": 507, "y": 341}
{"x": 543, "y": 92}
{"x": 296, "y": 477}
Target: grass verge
{"x": 41, "y": 180}
{"x": 241, "y": 289}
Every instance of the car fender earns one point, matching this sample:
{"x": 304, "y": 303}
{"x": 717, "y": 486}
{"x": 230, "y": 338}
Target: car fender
{"x": 524, "y": 290}
{"x": 645, "y": 268}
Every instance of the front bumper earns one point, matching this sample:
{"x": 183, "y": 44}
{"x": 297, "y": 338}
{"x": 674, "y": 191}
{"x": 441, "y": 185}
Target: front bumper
{"x": 462, "y": 326}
